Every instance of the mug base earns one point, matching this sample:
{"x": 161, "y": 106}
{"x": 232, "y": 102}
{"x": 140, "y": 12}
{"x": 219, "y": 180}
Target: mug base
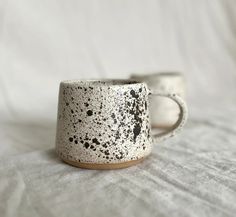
{"x": 105, "y": 166}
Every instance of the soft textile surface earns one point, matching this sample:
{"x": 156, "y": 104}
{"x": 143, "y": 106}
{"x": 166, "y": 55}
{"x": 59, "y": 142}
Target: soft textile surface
{"x": 44, "y": 42}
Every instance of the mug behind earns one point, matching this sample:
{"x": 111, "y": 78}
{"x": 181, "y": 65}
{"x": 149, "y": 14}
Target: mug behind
{"x": 163, "y": 111}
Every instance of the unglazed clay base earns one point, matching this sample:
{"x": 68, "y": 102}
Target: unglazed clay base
{"x": 109, "y": 166}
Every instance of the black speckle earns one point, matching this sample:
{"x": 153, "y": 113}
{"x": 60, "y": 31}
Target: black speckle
{"x": 86, "y": 144}
{"x": 67, "y": 103}
{"x": 114, "y": 119}
{"x": 145, "y": 105}
{"x": 149, "y": 133}
{"x": 71, "y": 139}
{"x": 117, "y": 136}
{"x": 72, "y": 111}
{"x": 133, "y": 94}
{"x": 86, "y": 104}
{"x": 119, "y": 156}
{"x": 106, "y": 152}
{"x": 104, "y": 145}
{"x": 136, "y": 131}
{"x": 122, "y": 124}
{"x": 140, "y": 89}
{"x": 89, "y": 113}
{"x": 96, "y": 141}
{"x": 76, "y": 141}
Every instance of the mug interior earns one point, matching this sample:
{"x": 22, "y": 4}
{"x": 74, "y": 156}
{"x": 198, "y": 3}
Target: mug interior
{"x": 103, "y": 82}
{"x": 170, "y": 74}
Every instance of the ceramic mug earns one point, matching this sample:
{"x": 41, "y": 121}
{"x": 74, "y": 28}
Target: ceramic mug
{"x": 164, "y": 112}
{"x": 104, "y": 124}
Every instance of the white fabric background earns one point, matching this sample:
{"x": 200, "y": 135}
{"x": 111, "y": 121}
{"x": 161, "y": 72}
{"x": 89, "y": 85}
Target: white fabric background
{"x": 44, "y": 42}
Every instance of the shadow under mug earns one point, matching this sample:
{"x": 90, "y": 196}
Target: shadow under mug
{"x": 104, "y": 124}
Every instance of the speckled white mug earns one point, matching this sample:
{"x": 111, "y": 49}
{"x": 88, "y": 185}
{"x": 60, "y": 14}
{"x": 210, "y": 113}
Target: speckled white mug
{"x": 104, "y": 124}
{"x": 164, "y": 112}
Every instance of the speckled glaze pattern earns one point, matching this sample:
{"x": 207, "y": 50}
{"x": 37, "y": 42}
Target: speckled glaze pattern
{"x": 103, "y": 121}
{"x": 164, "y": 112}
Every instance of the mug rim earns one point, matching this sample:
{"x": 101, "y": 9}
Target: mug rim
{"x": 157, "y": 74}
{"x": 102, "y": 82}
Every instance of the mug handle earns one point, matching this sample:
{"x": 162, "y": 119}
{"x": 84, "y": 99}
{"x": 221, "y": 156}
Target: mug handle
{"x": 182, "y": 116}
